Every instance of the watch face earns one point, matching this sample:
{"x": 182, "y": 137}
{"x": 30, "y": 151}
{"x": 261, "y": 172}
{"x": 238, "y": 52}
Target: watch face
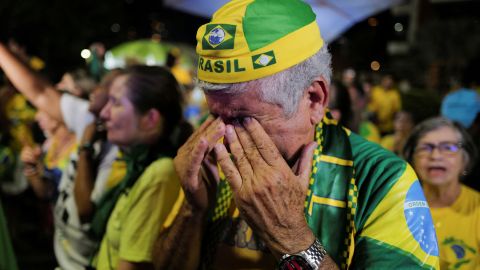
{"x": 294, "y": 262}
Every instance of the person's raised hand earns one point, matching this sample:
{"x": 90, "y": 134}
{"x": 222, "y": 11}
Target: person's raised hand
{"x": 194, "y": 166}
{"x": 30, "y": 154}
{"x": 268, "y": 193}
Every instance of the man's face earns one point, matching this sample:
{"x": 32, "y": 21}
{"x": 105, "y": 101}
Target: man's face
{"x": 288, "y": 134}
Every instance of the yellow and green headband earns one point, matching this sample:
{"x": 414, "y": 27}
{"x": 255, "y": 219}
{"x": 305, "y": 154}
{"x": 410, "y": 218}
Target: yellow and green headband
{"x": 252, "y": 39}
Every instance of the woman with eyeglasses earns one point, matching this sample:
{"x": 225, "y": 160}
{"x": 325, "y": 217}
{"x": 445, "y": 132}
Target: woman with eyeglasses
{"x": 442, "y": 153}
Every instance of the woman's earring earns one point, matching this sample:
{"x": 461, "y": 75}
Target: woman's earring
{"x": 464, "y": 173}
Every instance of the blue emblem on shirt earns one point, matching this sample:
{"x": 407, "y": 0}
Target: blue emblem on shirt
{"x": 419, "y": 219}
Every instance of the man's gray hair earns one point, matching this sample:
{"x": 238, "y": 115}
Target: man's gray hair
{"x": 284, "y": 88}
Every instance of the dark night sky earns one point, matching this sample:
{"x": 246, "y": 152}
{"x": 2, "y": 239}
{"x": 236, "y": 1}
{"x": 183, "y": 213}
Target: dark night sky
{"x": 58, "y": 30}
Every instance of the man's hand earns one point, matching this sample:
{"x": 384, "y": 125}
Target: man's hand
{"x": 269, "y": 195}
{"x": 193, "y": 158}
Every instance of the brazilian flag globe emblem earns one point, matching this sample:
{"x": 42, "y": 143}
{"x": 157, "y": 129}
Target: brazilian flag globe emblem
{"x": 219, "y": 37}
{"x": 263, "y": 60}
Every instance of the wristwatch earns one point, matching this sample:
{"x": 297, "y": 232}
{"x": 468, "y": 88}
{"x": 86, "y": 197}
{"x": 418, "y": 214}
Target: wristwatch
{"x": 310, "y": 259}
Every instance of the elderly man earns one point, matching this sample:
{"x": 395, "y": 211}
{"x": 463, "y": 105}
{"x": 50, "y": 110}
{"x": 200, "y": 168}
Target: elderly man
{"x": 293, "y": 190}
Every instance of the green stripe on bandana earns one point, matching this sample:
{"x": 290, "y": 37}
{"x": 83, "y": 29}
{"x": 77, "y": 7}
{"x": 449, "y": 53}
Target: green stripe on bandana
{"x": 269, "y": 12}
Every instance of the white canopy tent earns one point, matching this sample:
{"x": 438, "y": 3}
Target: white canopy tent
{"x": 333, "y": 16}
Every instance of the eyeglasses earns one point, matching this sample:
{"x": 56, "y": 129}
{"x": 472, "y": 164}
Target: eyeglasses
{"x": 445, "y": 148}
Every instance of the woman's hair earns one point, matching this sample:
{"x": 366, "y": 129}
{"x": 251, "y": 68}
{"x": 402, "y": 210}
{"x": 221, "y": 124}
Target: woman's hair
{"x": 83, "y": 80}
{"x": 340, "y": 100}
{"x": 469, "y": 149}
{"x": 153, "y": 87}
{"x": 284, "y": 88}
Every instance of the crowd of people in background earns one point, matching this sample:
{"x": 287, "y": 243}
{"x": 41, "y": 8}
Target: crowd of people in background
{"x": 87, "y": 174}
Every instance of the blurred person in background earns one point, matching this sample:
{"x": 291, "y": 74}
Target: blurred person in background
{"x": 384, "y": 102}
{"x": 340, "y": 104}
{"x": 403, "y": 124}
{"x": 93, "y": 170}
{"x": 143, "y": 116}
{"x": 43, "y": 165}
{"x": 18, "y": 131}
{"x": 7, "y": 165}
{"x": 442, "y": 154}
{"x": 463, "y": 105}
{"x": 72, "y": 242}
{"x": 77, "y": 82}
{"x": 348, "y": 102}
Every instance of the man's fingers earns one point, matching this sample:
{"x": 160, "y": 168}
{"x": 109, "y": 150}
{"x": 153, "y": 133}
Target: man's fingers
{"x": 197, "y": 155}
{"x": 206, "y": 123}
{"x": 303, "y": 168}
{"x": 228, "y": 167}
{"x": 239, "y": 148}
{"x": 210, "y": 125}
{"x": 214, "y": 132}
{"x": 267, "y": 149}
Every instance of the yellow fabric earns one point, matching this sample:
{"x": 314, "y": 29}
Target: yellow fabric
{"x": 458, "y": 231}
{"x": 36, "y": 63}
{"x": 138, "y": 216}
{"x": 118, "y": 171}
{"x": 21, "y": 115}
{"x": 385, "y": 103}
{"x": 372, "y": 134}
{"x": 182, "y": 75}
{"x": 388, "y": 142}
{"x": 391, "y": 212}
{"x": 237, "y": 64}
{"x": 58, "y": 154}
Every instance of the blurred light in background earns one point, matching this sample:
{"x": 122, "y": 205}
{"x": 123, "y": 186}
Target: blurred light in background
{"x": 375, "y": 65}
{"x": 115, "y": 28}
{"x": 398, "y": 27}
{"x": 85, "y": 53}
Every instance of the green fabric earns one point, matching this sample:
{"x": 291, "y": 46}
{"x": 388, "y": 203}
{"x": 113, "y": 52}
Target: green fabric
{"x": 365, "y": 247}
{"x": 7, "y": 256}
{"x": 7, "y": 164}
{"x": 137, "y": 159}
{"x": 388, "y": 169}
{"x": 259, "y": 13}
{"x": 331, "y": 181}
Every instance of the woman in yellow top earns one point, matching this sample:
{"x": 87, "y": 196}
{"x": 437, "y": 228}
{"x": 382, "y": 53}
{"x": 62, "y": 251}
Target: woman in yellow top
{"x": 441, "y": 153}
{"x": 144, "y": 117}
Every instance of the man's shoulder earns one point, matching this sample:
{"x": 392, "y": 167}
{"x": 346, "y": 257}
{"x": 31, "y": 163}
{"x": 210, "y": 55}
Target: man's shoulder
{"x": 371, "y": 156}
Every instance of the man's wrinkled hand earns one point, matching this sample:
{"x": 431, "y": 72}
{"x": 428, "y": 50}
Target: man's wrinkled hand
{"x": 269, "y": 195}
{"x": 195, "y": 167}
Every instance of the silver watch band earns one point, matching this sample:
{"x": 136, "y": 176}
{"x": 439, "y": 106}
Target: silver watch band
{"x": 314, "y": 255}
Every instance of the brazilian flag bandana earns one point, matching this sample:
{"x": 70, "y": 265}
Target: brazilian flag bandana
{"x": 248, "y": 40}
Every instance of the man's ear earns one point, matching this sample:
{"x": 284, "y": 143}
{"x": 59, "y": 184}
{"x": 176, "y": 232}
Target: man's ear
{"x": 317, "y": 94}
